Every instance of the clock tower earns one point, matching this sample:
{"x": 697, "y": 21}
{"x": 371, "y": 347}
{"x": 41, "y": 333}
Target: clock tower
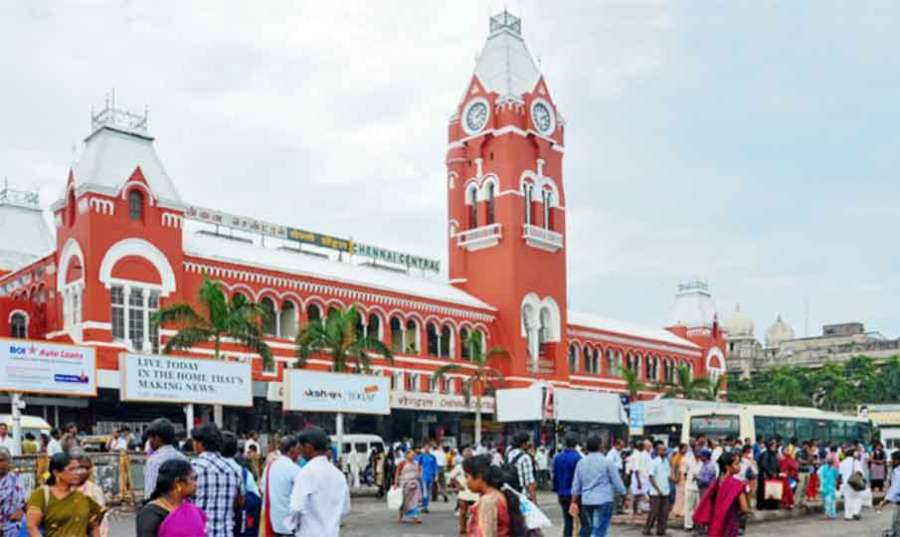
{"x": 507, "y": 203}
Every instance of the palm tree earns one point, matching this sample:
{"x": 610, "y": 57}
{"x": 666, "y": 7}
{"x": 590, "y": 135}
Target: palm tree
{"x": 686, "y": 386}
{"x": 632, "y": 383}
{"x": 217, "y": 319}
{"x": 481, "y": 377}
{"x": 340, "y": 336}
{"x": 714, "y": 387}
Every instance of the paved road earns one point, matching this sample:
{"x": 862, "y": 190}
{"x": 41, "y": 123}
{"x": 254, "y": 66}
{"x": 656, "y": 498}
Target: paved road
{"x": 370, "y": 518}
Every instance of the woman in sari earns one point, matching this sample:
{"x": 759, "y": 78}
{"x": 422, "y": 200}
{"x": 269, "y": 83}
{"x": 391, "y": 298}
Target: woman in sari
{"x": 679, "y": 468}
{"x": 60, "y": 510}
{"x": 89, "y": 488}
{"x": 12, "y": 498}
{"x": 724, "y": 503}
{"x": 828, "y": 477}
{"x": 496, "y": 514}
{"x": 169, "y": 513}
{"x": 877, "y": 467}
{"x": 790, "y": 473}
{"x": 409, "y": 479}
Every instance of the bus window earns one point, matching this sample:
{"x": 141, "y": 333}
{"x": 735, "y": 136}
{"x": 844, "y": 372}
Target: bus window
{"x": 806, "y": 429}
{"x": 822, "y": 433}
{"x": 715, "y": 426}
{"x": 838, "y": 432}
{"x": 764, "y": 426}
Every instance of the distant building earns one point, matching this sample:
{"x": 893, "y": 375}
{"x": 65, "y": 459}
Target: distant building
{"x": 838, "y": 343}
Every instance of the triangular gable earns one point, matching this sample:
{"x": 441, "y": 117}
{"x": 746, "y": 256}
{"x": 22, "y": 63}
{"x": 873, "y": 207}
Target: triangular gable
{"x": 137, "y": 178}
{"x": 540, "y": 88}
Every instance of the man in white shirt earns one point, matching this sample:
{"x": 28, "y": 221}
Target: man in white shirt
{"x": 852, "y": 497}
{"x": 692, "y": 466}
{"x": 440, "y": 481}
{"x": 279, "y": 478}
{"x": 54, "y": 446}
{"x": 6, "y": 441}
{"x": 117, "y": 442}
{"x": 321, "y": 497}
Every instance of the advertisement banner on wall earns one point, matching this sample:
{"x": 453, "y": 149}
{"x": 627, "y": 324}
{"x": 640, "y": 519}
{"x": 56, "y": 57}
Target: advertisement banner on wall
{"x": 315, "y": 391}
{"x": 47, "y": 368}
{"x": 439, "y": 402}
{"x": 170, "y": 379}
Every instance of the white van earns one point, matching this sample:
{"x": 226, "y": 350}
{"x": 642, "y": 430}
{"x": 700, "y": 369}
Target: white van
{"x": 361, "y": 443}
{"x": 30, "y": 424}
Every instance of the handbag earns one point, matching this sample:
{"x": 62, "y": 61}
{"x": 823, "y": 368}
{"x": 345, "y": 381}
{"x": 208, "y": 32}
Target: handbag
{"x": 774, "y": 489}
{"x": 857, "y": 482}
{"x": 395, "y": 499}
{"x": 535, "y": 519}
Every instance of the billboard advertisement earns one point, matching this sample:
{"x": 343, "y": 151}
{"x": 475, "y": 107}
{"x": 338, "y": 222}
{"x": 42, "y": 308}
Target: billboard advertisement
{"x": 315, "y": 391}
{"x": 170, "y": 379}
{"x": 49, "y": 368}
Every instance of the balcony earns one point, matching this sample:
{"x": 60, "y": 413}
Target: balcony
{"x": 480, "y": 237}
{"x": 545, "y": 239}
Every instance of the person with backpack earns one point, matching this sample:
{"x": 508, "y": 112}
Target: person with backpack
{"x": 57, "y": 509}
{"x": 521, "y": 466}
{"x": 246, "y": 516}
{"x": 497, "y": 512}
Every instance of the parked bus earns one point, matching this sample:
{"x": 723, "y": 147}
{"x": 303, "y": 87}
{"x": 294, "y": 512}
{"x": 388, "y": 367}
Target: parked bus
{"x": 802, "y": 423}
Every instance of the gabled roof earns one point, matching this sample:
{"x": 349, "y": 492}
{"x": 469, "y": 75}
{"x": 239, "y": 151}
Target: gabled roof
{"x": 626, "y": 328}
{"x": 505, "y": 65}
{"x": 251, "y": 255}
{"x": 24, "y": 236}
{"x": 111, "y": 155}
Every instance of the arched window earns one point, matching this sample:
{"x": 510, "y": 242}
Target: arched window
{"x": 528, "y": 190}
{"x": 270, "y": 319}
{"x": 412, "y": 337}
{"x": 464, "y": 352}
{"x": 18, "y": 326}
{"x": 433, "y": 339}
{"x": 472, "y": 203}
{"x": 373, "y": 328}
{"x": 287, "y": 320}
{"x": 490, "y": 204}
{"x": 610, "y": 362}
{"x": 136, "y": 205}
{"x": 396, "y": 334}
{"x": 446, "y": 342}
{"x": 586, "y": 351}
{"x": 313, "y": 313}
{"x": 544, "y": 329}
{"x": 358, "y": 327}
{"x": 573, "y": 358}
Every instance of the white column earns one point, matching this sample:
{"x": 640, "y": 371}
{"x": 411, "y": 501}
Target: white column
{"x": 189, "y": 418}
{"x": 16, "y": 404}
{"x": 127, "y": 314}
{"x": 339, "y": 430}
{"x": 145, "y": 298}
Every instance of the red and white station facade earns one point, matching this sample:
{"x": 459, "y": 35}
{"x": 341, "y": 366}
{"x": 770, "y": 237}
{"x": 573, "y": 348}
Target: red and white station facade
{"x": 125, "y": 243}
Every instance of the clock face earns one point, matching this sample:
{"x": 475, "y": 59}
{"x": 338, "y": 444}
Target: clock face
{"x": 476, "y": 116}
{"x": 542, "y": 117}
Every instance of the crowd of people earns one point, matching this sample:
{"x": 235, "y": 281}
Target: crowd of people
{"x": 218, "y": 485}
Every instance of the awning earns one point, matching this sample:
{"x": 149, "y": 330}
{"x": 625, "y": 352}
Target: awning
{"x": 588, "y": 406}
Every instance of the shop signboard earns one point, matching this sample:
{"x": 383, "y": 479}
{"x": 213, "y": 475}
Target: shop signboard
{"x": 47, "y": 368}
{"x": 319, "y": 239}
{"x": 170, "y": 379}
{"x": 439, "y": 402}
{"x": 315, "y": 391}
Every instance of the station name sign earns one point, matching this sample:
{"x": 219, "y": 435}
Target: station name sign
{"x": 321, "y": 240}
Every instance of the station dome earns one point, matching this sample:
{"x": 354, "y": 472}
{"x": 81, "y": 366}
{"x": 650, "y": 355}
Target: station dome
{"x": 738, "y": 324}
{"x": 778, "y": 333}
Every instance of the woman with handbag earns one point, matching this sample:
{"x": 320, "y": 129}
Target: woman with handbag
{"x": 768, "y": 472}
{"x": 496, "y": 514}
{"x": 60, "y": 510}
{"x": 409, "y": 479}
{"x": 853, "y": 483}
{"x": 790, "y": 475}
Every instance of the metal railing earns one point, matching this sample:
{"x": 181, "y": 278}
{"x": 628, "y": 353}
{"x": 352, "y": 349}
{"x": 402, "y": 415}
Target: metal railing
{"x": 546, "y": 238}
{"x": 479, "y": 237}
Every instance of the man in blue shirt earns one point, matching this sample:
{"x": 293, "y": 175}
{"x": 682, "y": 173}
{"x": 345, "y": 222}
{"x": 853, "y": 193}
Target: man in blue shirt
{"x": 893, "y": 494}
{"x": 563, "y": 473}
{"x": 595, "y": 486}
{"x": 428, "y": 463}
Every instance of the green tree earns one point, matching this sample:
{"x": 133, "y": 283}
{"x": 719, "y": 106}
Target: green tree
{"x": 888, "y": 382}
{"x": 632, "y": 383}
{"x": 686, "y": 386}
{"x": 217, "y": 319}
{"x": 833, "y": 390}
{"x": 478, "y": 378}
{"x": 340, "y": 336}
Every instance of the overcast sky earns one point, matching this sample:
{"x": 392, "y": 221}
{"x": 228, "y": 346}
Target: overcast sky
{"x": 753, "y": 144}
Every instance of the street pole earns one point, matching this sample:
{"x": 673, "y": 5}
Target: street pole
{"x": 189, "y": 417}
{"x": 16, "y": 402}
{"x": 339, "y": 430}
